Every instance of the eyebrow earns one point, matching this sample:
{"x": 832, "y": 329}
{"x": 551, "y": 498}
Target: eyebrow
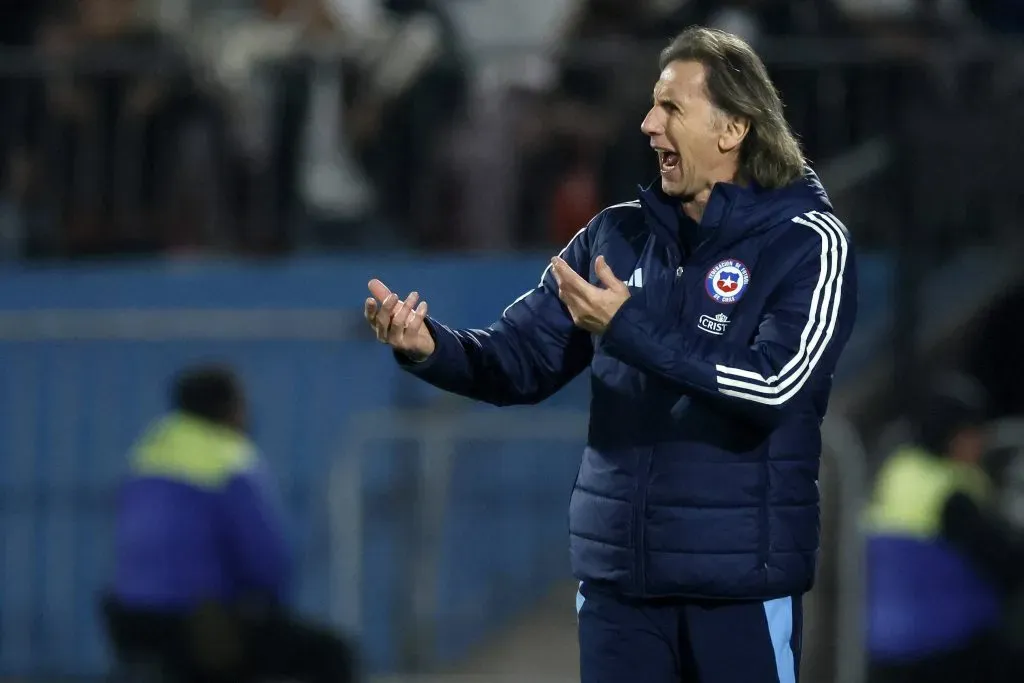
{"x": 663, "y": 98}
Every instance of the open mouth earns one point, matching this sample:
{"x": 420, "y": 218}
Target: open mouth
{"x": 667, "y": 160}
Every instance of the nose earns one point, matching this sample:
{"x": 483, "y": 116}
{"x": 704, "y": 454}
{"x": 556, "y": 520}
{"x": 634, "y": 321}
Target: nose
{"x": 653, "y": 124}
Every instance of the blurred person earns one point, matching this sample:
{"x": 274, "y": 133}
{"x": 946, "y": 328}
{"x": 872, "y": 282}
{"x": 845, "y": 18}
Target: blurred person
{"x": 282, "y": 69}
{"x": 711, "y": 314}
{"x": 575, "y": 198}
{"x": 578, "y": 157}
{"x": 940, "y": 563}
{"x": 202, "y": 566}
{"x": 741, "y": 17}
{"x": 406, "y": 96}
{"x": 909, "y": 28}
{"x": 104, "y": 148}
{"x": 341, "y": 104}
{"x": 758, "y": 20}
{"x": 500, "y": 162}
{"x": 1001, "y": 327}
{"x": 19, "y": 26}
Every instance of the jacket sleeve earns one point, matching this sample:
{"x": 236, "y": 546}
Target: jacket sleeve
{"x": 531, "y": 352}
{"x": 801, "y": 333}
{"x": 254, "y": 530}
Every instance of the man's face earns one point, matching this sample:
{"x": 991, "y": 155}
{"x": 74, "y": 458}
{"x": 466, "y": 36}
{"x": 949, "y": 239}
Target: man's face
{"x": 968, "y": 445}
{"x": 685, "y": 130}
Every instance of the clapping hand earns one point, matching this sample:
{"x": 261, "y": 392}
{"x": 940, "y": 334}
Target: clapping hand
{"x": 592, "y": 308}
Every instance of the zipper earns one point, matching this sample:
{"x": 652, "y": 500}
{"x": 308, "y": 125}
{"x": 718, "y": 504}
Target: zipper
{"x": 765, "y": 545}
{"x": 644, "y": 464}
{"x": 677, "y": 288}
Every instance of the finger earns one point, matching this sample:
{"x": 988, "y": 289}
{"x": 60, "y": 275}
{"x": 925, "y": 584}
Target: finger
{"x": 397, "y": 324}
{"x": 380, "y": 328}
{"x": 416, "y": 319}
{"x": 370, "y": 309}
{"x": 570, "y": 299}
{"x": 378, "y": 289}
{"x": 385, "y": 315}
{"x": 404, "y": 310}
{"x": 566, "y": 292}
{"x": 606, "y": 275}
{"x": 400, "y": 319}
{"x": 567, "y": 295}
{"x": 555, "y": 271}
{"x": 565, "y": 275}
{"x": 387, "y": 307}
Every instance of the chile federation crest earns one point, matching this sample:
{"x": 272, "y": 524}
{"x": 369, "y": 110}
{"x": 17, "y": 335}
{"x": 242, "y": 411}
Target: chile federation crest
{"x": 727, "y": 281}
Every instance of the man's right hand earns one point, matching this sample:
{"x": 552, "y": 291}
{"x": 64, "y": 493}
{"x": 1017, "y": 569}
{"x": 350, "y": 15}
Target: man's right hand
{"x": 397, "y": 323}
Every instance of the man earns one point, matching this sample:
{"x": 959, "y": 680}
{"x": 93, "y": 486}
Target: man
{"x": 694, "y": 517}
{"x": 202, "y": 565}
{"x": 941, "y": 565}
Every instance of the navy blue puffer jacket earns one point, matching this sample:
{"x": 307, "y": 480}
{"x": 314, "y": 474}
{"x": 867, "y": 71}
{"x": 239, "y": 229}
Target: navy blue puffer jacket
{"x": 699, "y": 477}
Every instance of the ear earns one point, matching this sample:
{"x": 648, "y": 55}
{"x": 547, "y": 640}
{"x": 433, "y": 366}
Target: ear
{"x": 734, "y": 131}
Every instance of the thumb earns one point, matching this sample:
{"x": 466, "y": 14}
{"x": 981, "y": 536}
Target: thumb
{"x": 605, "y": 274}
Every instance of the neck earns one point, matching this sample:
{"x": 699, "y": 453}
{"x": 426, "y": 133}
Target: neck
{"x": 694, "y": 206}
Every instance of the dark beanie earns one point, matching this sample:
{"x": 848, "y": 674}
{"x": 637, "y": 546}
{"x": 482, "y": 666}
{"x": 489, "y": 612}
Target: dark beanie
{"x": 952, "y": 404}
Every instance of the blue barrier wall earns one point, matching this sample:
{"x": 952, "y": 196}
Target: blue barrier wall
{"x": 69, "y": 409}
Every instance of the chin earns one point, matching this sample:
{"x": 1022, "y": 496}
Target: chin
{"x": 673, "y": 187}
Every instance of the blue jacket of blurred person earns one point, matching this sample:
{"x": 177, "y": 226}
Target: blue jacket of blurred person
{"x": 197, "y": 519}
{"x": 934, "y": 556}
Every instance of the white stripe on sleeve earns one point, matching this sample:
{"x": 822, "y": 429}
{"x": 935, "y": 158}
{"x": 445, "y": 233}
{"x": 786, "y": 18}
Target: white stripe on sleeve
{"x": 817, "y": 332}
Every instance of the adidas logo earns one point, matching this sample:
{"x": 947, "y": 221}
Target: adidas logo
{"x": 636, "y": 279}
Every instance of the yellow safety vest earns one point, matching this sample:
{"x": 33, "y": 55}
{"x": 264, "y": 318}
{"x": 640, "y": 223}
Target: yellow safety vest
{"x": 193, "y": 451}
{"x": 912, "y": 488}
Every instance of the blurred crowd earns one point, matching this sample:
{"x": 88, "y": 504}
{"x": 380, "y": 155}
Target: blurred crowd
{"x": 271, "y": 126}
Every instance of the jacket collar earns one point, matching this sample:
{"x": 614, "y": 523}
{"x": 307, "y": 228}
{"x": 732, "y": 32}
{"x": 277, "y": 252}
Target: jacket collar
{"x": 666, "y": 219}
{"x": 732, "y": 212}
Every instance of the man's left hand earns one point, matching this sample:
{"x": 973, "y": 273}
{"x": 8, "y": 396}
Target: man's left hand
{"x": 592, "y": 308}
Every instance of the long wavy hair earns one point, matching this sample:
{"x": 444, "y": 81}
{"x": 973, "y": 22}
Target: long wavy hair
{"x": 738, "y": 84}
